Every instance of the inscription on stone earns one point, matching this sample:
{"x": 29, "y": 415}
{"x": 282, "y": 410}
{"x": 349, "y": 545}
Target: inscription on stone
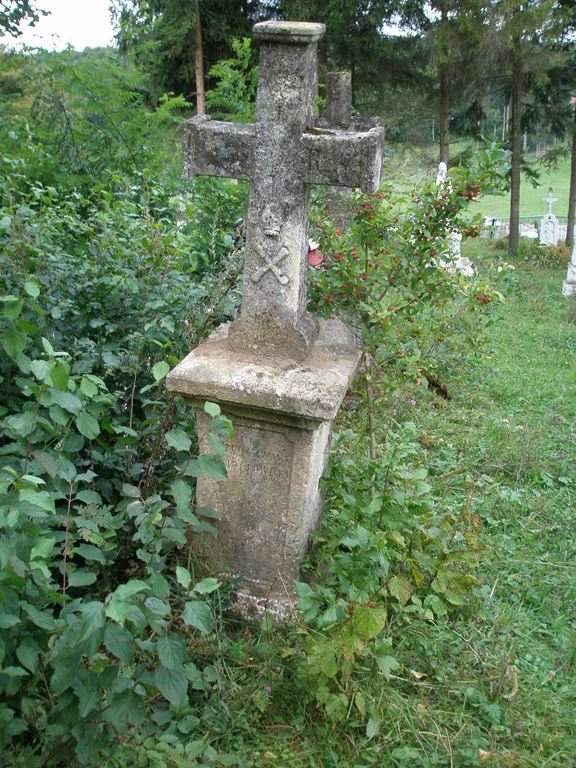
{"x": 259, "y": 464}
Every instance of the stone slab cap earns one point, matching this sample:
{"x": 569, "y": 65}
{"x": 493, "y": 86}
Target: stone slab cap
{"x": 313, "y": 390}
{"x": 288, "y": 32}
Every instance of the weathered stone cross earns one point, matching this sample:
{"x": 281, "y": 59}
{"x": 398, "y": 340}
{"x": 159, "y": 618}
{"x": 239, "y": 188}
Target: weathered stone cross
{"x": 281, "y": 155}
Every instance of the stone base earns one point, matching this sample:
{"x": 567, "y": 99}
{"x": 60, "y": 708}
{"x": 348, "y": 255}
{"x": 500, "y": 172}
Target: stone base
{"x": 282, "y": 413}
{"x": 568, "y": 289}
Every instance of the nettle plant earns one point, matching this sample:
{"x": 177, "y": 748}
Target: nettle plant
{"x": 103, "y": 617}
{"x": 388, "y": 551}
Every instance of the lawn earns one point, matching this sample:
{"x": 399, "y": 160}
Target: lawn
{"x": 531, "y": 198}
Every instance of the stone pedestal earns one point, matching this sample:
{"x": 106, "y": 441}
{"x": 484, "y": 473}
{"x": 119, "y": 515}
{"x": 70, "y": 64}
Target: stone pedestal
{"x": 282, "y": 412}
{"x": 549, "y": 230}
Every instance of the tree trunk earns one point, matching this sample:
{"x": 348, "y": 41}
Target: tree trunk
{"x": 444, "y": 115}
{"x": 199, "y": 62}
{"x": 572, "y": 195}
{"x": 516, "y": 146}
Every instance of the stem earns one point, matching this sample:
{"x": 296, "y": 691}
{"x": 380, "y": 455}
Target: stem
{"x": 67, "y": 529}
{"x": 370, "y": 393}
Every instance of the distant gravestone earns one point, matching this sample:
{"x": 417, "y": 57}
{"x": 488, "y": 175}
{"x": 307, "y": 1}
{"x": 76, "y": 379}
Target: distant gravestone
{"x": 459, "y": 263}
{"x": 549, "y": 229}
{"x": 569, "y": 286}
{"x": 277, "y": 372}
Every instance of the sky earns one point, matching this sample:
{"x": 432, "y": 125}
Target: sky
{"x": 80, "y": 23}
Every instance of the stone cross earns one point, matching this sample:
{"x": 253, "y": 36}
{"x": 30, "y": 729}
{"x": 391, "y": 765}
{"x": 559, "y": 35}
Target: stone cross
{"x": 338, "y": 115}
{"x": 549, "y": 199}
{"x": 549, "y": 229}
{"x": 281, "y": 155}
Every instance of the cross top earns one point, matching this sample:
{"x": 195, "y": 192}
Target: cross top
{"x": 281, "y": 155}
{"x": 549, "y": 199}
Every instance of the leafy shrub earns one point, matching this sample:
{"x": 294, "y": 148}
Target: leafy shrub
{"x": 100, "y": 608}
{"x": 388, "y": 552}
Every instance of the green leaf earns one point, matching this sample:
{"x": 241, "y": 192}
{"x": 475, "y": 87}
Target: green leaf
{"x": 5, "y": 222}
{"x": 126, "y": 707}
{"x": 156, "y": 606}
{"x": 368, "y": 622}
{"x": 40, "y": 369}
{"x": 160, "y": 370}
{"x": 212, "y": 409}
{"x": 12, "y": 307}
{"x": 8, "y": 620}
{"x": 217, "y": 444}
{"x": 87, "y": 425}
{"x": 41, "y": 499}
{"x": 27, "y": 653}
{"x": 387, "y": 665}
{"x": 182, "y": 493}
{"x": 197, "y": 614}
{"x": 42, "y": 619}
{"x": 89, "y": 497}
{"x": 132, "y": 491}
{"x": 81, "y": 578}
{"x": 328, "y": 664}
{"x": 131, "y": 588}
{"x": 68, "y": 401}
{"x": 13, "y": 340}
{"x": 88, "y": 387}
{"x": 183, "y": 577}
{"x": 171, "y": 651}
{"x": 178, "y": 439}
{"x": 119, "y": 642}
{"x": 21, "y": 423}
{"x": 90, "y": 552}
{"x": 42, "y": 549}
{"x": 171, "y": 683}
{"x": 400, "y": 588}
{"x": 206, "y": 586}
{"x": 207, "y": 465}
{"x": 94, "y": 619}
{"x": 32, "y": 288}
{"x": 60, "y": 375}
{"x": 337, "y": 706}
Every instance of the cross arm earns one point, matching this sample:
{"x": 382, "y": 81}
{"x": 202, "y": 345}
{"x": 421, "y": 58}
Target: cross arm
{"x": 345, "y": 158}
{"x": 216, "y": 148}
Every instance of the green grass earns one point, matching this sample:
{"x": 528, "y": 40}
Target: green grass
{"x": 531, "y": 197}
{"x": 496, "y": 686}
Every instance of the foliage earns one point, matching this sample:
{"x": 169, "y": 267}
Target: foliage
{"x": 392, "y": 274}
{"x": 160, "y": 37}
{"x": 391, "y": 553}
{"x": 88, "y": 113}
{"x": 100, "y": 603}
{"x": 233, "y": 97}
{"x": 14, "y": 12}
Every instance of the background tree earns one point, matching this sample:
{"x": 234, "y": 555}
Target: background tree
{"x": 161, "y": 35}
{"x": 452, "y": 34}
{"x": 521, "y": 33}
{"x": 14, "y": 12}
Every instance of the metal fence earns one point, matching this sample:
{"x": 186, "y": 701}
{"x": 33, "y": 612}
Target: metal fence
{"x": 529, "y": 226}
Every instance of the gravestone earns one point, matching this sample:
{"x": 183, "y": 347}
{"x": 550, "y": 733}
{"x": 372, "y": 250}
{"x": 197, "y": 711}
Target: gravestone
{"x": 458, "y": 263}
{"x": 277, "y": 372}
{"x": 549, "y": 229}
{"x": 569, "y": 286}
